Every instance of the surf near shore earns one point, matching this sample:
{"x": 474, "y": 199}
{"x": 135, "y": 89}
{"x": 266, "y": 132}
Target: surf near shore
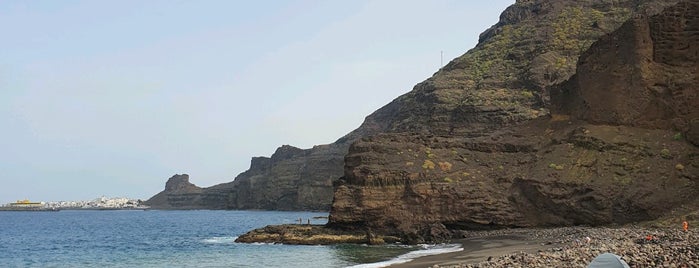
{"x": 569, "y": 247}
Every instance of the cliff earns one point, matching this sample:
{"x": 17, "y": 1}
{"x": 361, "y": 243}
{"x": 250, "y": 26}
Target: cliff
{"x": 500, "y": 82}
{"x": 644, "y": 75}
{"x": 512, "y": 133}
{"x": 179, "y": 193}
{"x": 475, "y": 146}
{"x": 291, "y": 179}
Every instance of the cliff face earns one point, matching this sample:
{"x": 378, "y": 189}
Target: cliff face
{"x": 504, "y": 79}
{"x": 643, "y": 75}
{"x": 291, "y": 179}
{"x": 179, "y": 193}
{"x": 476, "y": 147}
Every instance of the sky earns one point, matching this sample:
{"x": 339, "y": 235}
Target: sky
{"x": 111, "y": 98}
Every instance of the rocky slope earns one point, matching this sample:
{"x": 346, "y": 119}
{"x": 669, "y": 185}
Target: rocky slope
{"x": 474, "y": 147}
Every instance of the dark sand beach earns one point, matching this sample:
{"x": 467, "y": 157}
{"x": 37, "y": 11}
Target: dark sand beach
{"x": 478, "y": 250}
{"x": 569, "y": 247}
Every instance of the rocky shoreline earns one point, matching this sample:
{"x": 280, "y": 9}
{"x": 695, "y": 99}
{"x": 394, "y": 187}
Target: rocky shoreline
{"x": 306, "y": 234}
{"x": 525, "y": 247}
{"x": 570, "y": 247}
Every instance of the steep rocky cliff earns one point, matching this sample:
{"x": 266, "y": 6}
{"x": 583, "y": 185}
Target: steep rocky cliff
{"x": 643, "y": 75}
{"x": 291, "y": 179}
{"x": 476, "y": 147}
{"x": 179, "y": 193}
{"x": 504, "y": 79}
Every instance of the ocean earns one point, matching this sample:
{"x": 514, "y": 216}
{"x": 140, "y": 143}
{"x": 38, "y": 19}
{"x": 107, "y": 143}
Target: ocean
{"x": 196, "y": 238}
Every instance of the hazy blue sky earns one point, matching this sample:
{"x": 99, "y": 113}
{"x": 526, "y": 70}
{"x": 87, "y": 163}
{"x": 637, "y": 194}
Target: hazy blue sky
{"x": 113, "y": 97}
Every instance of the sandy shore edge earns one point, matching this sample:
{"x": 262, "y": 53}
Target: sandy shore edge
{"x": 569, "y": 247}
{"x": 479, "y": 249}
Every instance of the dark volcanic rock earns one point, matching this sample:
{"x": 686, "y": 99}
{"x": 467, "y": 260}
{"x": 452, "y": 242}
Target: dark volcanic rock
{"x": 297, "y": 234}
{"x": 179, "y": 193}
{"x": 414, "y": 187}
{"x": 504, "y": 80}
{"x": 292, "y": 179}
{"x": 475, "y": 146}
{"x": 471, "y": 147}
{"x": 645, "y": 74}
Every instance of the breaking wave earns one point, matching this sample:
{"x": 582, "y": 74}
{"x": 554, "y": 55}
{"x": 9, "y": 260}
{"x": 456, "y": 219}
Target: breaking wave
{"x": 220, "y": 240}
{"x": 426, "y": 250}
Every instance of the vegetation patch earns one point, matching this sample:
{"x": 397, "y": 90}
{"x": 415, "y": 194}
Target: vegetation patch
{"x": 556, "y": 167}
{"x": 679, "y": 167}
{"x": 677, "y": 136}
{"x": 428, "y": 164}
{"x": 665, "y": 153}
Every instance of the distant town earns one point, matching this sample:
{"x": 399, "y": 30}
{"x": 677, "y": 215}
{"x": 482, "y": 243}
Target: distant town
{"x": 101, "y": 203}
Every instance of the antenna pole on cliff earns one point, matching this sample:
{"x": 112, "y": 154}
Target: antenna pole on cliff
{"x": 441, "y": 59}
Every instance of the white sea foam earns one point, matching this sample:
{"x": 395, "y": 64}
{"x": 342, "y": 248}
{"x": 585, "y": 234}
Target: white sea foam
{"x": 220, "y": 240}
{"x": 266, "y": 244}
{"x": 427, "y": 250}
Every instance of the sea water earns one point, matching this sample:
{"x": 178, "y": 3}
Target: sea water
{"x": 196, "y": 238}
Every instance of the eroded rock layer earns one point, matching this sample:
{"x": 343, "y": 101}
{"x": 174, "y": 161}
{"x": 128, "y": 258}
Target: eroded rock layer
{"x": 645, "y": 74}
{"x": 292, "y": 179}
{"x": 476, "y": 146}
{"x": 544, "y": 173}
{"x": 615, "y": 150}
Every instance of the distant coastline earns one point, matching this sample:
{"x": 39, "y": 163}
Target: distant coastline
{"x": 79, "y": 208}
{"x": 18, "y": 209}
{"x": 101, "y": 203}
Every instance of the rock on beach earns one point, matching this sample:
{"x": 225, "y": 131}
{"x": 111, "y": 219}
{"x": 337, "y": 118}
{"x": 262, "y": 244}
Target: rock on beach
{"x": 639, "y": 247}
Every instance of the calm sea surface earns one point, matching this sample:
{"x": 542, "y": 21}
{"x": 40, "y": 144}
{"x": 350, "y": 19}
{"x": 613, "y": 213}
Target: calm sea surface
{"x": 73, "y": 238}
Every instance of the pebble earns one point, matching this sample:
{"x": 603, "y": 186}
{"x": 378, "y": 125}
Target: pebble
{"x": 666, "y": 248}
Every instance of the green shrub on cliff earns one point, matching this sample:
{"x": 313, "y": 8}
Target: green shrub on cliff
{"x": 572, "y": 31}
{"x": 677, "y": 136}
{"x": 556, "y": 167}
{"x": 428, "y": 164}
{"x": 665, "y": 153}
{"x": 679, "y": 167}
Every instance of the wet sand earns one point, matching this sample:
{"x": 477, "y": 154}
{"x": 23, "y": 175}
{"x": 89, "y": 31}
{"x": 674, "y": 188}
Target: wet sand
{"x": 479, "y": 249}
{"x": 569, "y": 247}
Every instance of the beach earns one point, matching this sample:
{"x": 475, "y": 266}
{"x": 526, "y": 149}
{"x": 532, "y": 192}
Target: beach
{"x": 569, "y": 247}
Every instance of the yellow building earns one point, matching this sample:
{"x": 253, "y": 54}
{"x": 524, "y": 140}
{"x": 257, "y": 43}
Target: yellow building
{"x": 26, "y": 204}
